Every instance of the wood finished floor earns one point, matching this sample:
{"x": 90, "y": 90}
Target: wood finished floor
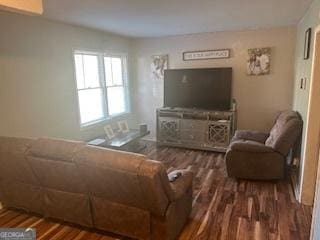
{"x": 223, "y": 208}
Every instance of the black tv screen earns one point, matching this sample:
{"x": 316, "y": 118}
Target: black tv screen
{"x": 206, "y": 88}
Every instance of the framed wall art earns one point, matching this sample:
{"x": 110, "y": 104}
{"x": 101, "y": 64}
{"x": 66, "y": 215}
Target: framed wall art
{"x": 258, "y": 62}
{"x": 158, "y": 64}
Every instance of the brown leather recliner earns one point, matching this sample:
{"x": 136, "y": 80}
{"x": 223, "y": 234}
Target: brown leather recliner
{"x": 110, "y": 190}
{"x": 257, "y": 155}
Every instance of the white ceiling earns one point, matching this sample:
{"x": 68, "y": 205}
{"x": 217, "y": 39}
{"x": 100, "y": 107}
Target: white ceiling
{"x": 150, "y": 18}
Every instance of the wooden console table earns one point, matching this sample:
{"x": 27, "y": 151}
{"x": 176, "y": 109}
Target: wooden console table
{"x": 193, "y": 128}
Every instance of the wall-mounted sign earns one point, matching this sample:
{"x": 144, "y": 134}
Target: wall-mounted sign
{"x": 207, "y": 54}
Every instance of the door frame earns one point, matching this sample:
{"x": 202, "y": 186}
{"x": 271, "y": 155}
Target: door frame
{"x": 310, "y": 186}
{"x": 312, "y": 140}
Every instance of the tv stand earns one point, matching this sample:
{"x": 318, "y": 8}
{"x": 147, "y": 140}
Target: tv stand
{"x": 197, "y": 129}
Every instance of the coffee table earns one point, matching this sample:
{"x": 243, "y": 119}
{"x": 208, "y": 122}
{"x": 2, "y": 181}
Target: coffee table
{"x": 128, "y": 141}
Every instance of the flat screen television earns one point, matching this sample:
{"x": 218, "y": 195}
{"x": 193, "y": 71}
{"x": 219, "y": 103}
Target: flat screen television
{"x": 205, "y": 88}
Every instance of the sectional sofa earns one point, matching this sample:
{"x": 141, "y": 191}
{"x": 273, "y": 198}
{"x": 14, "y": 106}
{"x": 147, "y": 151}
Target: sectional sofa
{"x": 109, "y": 190}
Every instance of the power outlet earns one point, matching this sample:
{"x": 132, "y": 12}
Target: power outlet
{"x": 303, "y": 83}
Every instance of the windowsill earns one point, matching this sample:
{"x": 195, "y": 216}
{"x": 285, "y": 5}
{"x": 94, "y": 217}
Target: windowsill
{"x": 96, "y": 123}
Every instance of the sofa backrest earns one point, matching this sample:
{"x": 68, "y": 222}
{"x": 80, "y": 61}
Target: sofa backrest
{"x": 12, "y": 161}
{"x": 65, "y": 192}
{"x": 125, "y": 178}
{"x": 19, "y": 187}
{"x": 285, "y": 132}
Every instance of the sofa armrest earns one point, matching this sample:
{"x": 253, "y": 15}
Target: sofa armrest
{"x": 181, "y": 185}
{"x": 250, "y": 146}
{"x": 251, "y": 135}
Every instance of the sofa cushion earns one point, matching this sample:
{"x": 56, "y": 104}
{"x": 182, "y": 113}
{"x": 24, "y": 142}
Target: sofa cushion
{"x": 111, "y": 175}
{"x": 52, "y": 163}
{"x": 20, "y": 195}
{"x": 249, "y": 146}
{"x": 59, "y": 175}
{"x": 255, "y": 165}
{"x": 56, "y": 149}
{"x": 65, "y": 192}
{"x": 155, "y": 185}
{"x": 121, "y": 219}
{"x": 18, "y": 184}
{"x": 250, "y": 135}
{"x": 68, "y": 206}
{"x": 13, "y": 164}
{"x": 125, "y": 178}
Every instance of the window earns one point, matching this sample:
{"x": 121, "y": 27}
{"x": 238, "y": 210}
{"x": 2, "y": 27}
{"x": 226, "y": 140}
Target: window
{"x": 101, "y": 85}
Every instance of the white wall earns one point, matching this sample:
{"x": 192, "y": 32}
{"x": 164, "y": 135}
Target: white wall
{"x": 37, "y": 84}
{"x": 259, "y": 97}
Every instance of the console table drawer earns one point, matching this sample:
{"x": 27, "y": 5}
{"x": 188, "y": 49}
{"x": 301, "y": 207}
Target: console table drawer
{"x": 193, "y": 125}
{"x": 194, "y": 136}
{"x": 169, "y": 129}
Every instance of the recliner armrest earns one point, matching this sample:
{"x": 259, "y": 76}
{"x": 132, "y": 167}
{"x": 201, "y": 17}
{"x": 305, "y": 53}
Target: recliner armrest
{"x": 251, "y": 135}
{"x": 250, "y": 146}
{"x": 181, "y": 185}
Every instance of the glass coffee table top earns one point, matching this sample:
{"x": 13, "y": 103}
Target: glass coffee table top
{"x": 119, "y": 141}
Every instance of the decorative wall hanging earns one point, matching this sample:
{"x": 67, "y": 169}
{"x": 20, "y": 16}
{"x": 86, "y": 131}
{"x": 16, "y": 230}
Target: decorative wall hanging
{"x": 307, "y": 41}
{"x": 206, "y": 54}
{"x": 158, "y": 65}
{"x": 258, "y": 61}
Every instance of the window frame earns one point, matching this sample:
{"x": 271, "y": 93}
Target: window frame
{"x": 103, "y": 86}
